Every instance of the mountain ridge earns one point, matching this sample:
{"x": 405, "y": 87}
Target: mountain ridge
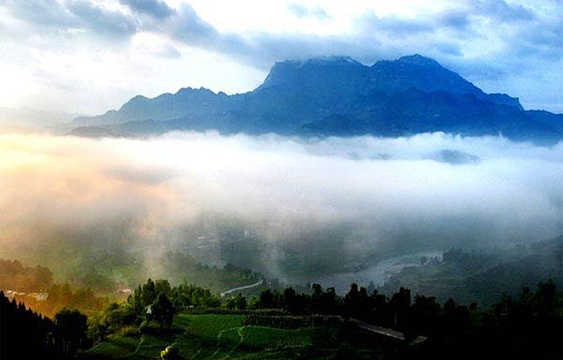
{"x": 338, "y": 96}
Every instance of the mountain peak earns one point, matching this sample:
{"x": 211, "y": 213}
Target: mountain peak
{"x": 200, "y": 90}
{"x": 419, "y": 60}
{"x": 331, "y": 60}
{"x": 291, "y": 73}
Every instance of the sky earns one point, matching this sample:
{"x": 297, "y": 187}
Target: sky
{"x": 89, "y": 56}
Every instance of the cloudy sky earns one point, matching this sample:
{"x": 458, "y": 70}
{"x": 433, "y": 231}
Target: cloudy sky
{"x": 87, "y": 56}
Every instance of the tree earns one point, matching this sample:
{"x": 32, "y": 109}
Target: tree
{"x": 162, "y": 286}
{"x": 240, "y": 302}
{"x": 351, "y": 299}
{"x": 72, "y": 326}
{"x": 136, "y": 301}
{"x": 545, "y": 297}
{"x": 290, "y": 300}
{"x": 400, "y": 305}
{"x": 148, "y": 293}
{"x": 162, "y": 310}
{"x": 449, "y": 306}
{"x": 236, "y": 302}
{"x": 425, "y": 311}
{"x": 25, "y": 334}
{"x": 267, "y": 299}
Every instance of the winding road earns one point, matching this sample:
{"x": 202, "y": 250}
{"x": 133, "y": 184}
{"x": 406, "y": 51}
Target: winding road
{"x": 230, "y": 291}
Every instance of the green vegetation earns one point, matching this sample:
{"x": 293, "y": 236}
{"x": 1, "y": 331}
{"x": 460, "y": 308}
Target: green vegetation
{"x": 209, "y": 325}
{"x": 326, "y": 326}
{"x": 290, "y": 325}
{"x": 483, "y": 277}
{"x": 116, "y": 347}
{"x": 271, "y": 338}
{"x": 206, "y": 336}
{"x": 159, "y": 320}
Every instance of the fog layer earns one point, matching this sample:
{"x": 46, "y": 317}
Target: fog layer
{"x": 333, "y": 202}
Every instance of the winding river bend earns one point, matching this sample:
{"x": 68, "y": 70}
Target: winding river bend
{"x": 377, "y": 273}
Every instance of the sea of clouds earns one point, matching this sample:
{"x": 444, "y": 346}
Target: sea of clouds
{"x": 359, "y": 195}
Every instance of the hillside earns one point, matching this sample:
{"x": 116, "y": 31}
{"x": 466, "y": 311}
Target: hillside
{"x": 483, "y": 276}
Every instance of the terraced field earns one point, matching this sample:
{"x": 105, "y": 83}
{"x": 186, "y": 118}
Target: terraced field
{"x": 207, "y": 337}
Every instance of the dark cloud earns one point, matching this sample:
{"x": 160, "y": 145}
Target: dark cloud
{"x": 454, "y": 19}
{"x": 500, "y": 10}
{"x": 262, "y": 50}
{"x": 456, "y": 23}
{"x": 302, "y": 11}
{"x": 449, "y": 48}
{"x": 460, "y": 20}
{"x": 102, "y": 21}
{"x": 154, "y": 8}
{"x": 545, "y": 38}
{"x": 187, "y": 26}
{"x": 396, "y": 25}
{"x": 435, "y": 35}
{"x": 51, "y": 13}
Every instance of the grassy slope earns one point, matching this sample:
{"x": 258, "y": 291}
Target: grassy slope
{"x": 208, "y": 337}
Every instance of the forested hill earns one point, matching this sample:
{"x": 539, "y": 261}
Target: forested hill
{"x": 337, "y": 96}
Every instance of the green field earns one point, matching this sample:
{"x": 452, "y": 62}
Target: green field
{"x": 206, "y": 337}
{"x": 261, "y": 337}
{"x": 208, "y": 325}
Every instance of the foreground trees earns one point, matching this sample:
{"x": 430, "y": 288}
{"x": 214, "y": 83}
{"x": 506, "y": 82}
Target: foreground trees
{"x": 72, "y": 327}
{"x": 25, "y": 334}
{"x": 152, "y": 301}
{"x": 162, "y": 311}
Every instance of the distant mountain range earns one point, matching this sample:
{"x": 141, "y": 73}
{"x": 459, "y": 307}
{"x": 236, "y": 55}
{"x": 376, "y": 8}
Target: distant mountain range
{"x": 336, "y": 96}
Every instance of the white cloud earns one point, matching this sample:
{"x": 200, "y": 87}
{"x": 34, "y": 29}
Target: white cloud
{"x": 288, "y": 192}
{"x": 505, "y": 46}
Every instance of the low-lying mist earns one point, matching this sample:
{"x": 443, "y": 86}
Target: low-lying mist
{"x": 283, "y": 206}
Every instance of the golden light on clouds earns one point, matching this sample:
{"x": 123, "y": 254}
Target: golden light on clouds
{"x": 367, "y": 191}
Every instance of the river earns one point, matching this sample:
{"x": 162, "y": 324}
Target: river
{"x": 377, "y": 273}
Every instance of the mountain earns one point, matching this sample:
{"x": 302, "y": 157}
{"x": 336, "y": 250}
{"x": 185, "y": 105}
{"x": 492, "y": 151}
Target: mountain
{"x": 337, "y": 96}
